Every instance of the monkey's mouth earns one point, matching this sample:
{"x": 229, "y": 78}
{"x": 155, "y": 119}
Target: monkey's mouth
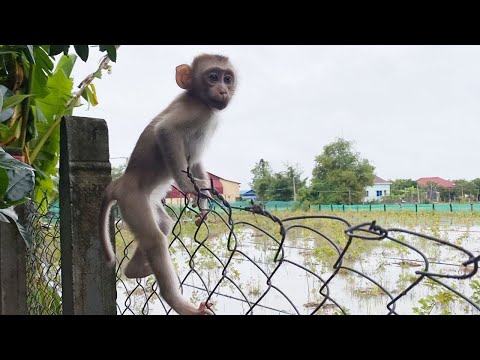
{"x": 220, "y": 105}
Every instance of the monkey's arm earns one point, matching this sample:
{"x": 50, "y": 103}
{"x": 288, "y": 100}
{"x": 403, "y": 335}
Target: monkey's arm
{"x": 173, "y": 150}
{"x": 198, "y": 172}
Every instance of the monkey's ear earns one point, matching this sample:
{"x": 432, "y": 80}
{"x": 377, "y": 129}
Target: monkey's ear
{"x": 184, "y": 76}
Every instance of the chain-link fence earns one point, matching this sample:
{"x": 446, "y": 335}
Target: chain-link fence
{"x": 44, "y": 283}
{"x": 244, "y": 260}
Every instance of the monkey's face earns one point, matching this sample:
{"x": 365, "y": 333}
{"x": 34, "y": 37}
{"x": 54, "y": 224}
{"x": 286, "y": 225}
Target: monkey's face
{"x": 210, "y": 78}
{"x": 218, "y": 85}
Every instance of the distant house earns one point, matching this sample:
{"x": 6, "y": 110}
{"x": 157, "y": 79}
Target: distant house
{"x": 447, "y": 184}
{"x": 229, "y": 189}
{"x": 248, "y": 194}
{"x": 433, "y": 185}
{"x": 379, "y": 189}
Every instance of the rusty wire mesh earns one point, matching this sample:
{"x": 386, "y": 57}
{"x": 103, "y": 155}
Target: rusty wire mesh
{"x": 44, "y": 283}
{"x": 248, "y": 261}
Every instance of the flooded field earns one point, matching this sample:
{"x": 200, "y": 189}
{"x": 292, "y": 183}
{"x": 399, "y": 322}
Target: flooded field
{"x": 254, "y": 273}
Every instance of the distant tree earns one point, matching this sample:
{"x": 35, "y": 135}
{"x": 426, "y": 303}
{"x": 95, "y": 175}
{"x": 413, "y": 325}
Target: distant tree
{"x": 262, "y": 178}
{"x": 399, "y": 185}
{"x": 476, "y": 188}
{"x": 464, "y": 190}
{"x": 118, "y": 171}
{"x": 278, "y": 186}
{"x": 338, "y": 172}
{"x": 282, "y": 185}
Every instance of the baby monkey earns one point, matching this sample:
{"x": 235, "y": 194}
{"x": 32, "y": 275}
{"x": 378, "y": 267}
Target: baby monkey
{"x": 173, "y": 141}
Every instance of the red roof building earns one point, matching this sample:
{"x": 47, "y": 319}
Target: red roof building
{"x": 229, "y": 189}
{"x": 174, "y": 193}
{"x": 379, "y": 180}
{"x": 447, "y": 184}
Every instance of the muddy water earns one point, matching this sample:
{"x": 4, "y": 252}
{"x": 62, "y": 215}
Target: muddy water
{"x": 293, "y": 290}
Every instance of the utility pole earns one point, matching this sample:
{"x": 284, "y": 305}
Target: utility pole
{"x": 350, "y": 197}
{"x": 294, "y": 192}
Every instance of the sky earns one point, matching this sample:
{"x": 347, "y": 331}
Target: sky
{"x": 412, "y": 111}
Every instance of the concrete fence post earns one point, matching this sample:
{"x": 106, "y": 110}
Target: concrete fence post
{"x": 13, "y": 284}
{"x": 88, "y": 286}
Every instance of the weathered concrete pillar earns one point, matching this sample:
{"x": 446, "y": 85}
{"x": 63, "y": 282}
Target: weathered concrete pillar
{"x": 88, "y": 286}
{"x": 13, "y": 284}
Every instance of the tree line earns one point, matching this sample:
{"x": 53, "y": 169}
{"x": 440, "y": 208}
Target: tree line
{"x": 340, "y": 176}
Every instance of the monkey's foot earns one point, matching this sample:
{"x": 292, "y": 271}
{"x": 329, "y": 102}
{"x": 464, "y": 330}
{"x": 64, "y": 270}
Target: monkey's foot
{"x": 135, "y": 270}
{"x": 200, "y": 217}
{"x": 203, "y": 309}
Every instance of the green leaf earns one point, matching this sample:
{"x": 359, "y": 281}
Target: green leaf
{"x": 3, "y": 182}
{"x": 7, "y": 113}
{"x": 54, "y": 104}
{"x": 10, "y": 213}
{"x": 31, "y": 127}
{"x": 82, "y": 51}
{"x": 28, "y": 50}
{"x": 45, "y": 149}
{"x": 111, "y": 51}
{"x": 11, "y": 101}
{"x": 98, "y": 74}
{"x": 23, "y": 232}
{"x": 41, "y": 72}
{"x": 91, "y": 94}
{"x": 15, "y": 203}
{"x": 37, "y": 112}
{"x": 66, "y": 64}
{"x": 20, "y": 184}
{"x": 21, "y": 178}
{"x": 55, "y": 49}
{"x": 8, "y": 162}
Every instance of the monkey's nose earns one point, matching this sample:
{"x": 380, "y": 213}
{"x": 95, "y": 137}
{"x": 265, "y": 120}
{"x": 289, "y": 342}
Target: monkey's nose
{"x": 223, "y": 92}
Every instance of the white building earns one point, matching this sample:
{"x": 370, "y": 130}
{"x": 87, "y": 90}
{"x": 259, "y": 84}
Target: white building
{"x": 379, "y": 189}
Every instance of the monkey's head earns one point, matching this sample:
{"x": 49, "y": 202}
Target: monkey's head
{"x": 210, "y": 78}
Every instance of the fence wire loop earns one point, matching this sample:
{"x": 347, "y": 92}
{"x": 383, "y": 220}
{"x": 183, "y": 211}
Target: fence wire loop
{"x": 373, "y": 229}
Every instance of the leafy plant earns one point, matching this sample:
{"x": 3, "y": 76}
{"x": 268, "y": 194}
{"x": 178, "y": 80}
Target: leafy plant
{"x": 475, "y": 285}
{"x": 34, "y": 96}
{"x": 17, "y": 180}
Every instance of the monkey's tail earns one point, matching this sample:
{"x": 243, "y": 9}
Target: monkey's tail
{"x": 104, "y": 220}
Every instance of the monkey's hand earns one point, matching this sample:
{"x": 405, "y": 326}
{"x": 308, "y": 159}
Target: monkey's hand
{"x": 202, "y": 183}
{"x": 203, "y": 309}
{"x": 200, "y": 217}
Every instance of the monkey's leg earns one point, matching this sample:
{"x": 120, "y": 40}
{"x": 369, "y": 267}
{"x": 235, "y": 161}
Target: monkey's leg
{"x": 138, "y": 267}
{"x": 141, "y": 219}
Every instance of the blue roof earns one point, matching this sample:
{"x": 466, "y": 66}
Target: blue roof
{"x": 251, "y": 191}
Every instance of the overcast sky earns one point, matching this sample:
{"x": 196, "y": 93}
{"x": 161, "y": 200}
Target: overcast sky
{"x": 412, "y": 111}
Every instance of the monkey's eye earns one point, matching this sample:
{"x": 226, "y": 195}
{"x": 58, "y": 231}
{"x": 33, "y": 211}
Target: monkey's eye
{"x": 213, "y": 77}
{"x": 228, "y": 79}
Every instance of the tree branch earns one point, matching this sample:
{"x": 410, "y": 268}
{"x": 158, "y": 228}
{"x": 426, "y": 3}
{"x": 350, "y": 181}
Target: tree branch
{"x": 84, "y": 84}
